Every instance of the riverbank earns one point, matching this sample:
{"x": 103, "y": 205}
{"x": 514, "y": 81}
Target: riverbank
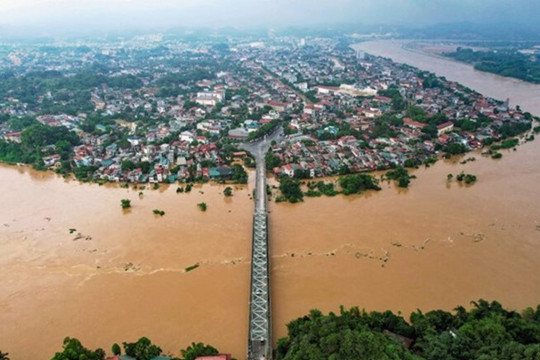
{"x": 499, "y": 87}
{"x": 481, "y": 58}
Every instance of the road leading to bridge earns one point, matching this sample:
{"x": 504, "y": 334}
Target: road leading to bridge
{"x": 260, "y": 315}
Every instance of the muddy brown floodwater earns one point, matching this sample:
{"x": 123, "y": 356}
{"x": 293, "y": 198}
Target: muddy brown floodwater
{"x": 121, "y": 274}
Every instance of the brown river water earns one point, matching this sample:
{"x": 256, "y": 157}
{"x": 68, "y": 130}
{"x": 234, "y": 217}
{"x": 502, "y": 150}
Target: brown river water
{"x": 434, "y": 245}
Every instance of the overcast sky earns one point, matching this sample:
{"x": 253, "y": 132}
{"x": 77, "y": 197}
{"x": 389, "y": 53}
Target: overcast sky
{"x": 118, "y": 14}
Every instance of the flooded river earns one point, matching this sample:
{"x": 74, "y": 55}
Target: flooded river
{"x": 120, "y": 274}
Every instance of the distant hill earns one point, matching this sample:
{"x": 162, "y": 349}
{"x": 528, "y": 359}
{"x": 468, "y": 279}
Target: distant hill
{"x": 478, "y": 31}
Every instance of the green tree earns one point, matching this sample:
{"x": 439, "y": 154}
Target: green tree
{"x": 357, "y": 183}
{"x": 404, "y": 182}
{"x": 84, "y": 173}
{"x": 145, "y": 166}
{"x": 401, "y": 175}
{"x": 116, "y": 350}
{"x": 202, "y": 206}
{"x": 271, "y": 160}
{"x": 125, "y": 203}
{"x": 63, "y": 148}
{"x": 344, "y": 336}
{"x": 430, "y": 131}
{"x": 290, "y": 189}
{"x": 455, "y": 149}
{"x": 128, "y": 165}
{"x": 198, "y": 349}
{"x": 143, "y": 349}
{"x": 240, "y": 175}
{"x": 37, "y": 136}
{"x": 249, "y": 162}
{"x": 398, "y": 103}
{"x": 487, "y": 331}
{"x": 18, "y": 124}
{"x": 326, "y": 189}
{"x": 74, "y": 350}
{"x": 263, "y": 130}
{"x": 228, "y": 191}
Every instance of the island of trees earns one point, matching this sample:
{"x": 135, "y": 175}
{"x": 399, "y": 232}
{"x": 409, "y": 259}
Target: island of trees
{"x": 506, "y": 62}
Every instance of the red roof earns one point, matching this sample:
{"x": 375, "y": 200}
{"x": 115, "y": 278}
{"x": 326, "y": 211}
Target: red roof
{"x": 331, "y": 88}
{"x": 413, "y": 124}
{"x": 383, "y": 98}
{"x": 276, "y": 103}
{"x": 444, "y": 138}
{"x": 445, "y": 125}
{"x": 215, "y": 357}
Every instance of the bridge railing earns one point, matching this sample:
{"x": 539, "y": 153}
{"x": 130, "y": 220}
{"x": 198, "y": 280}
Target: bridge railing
{"x": 260, "y": 326}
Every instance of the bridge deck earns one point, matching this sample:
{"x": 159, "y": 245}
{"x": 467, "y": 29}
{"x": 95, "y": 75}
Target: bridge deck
{"x": 260, "y": 337}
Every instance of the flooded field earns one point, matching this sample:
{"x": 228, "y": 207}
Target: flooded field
{"x": 120, "y": 274}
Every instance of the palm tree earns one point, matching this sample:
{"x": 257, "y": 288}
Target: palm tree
{"x": 4, "y": 356}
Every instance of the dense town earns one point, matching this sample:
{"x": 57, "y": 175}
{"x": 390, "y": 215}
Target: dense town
{"x": 155, "y": 109}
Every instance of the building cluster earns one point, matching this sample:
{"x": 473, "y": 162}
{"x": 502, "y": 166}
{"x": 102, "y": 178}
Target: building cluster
{"x": 170, "y": 110}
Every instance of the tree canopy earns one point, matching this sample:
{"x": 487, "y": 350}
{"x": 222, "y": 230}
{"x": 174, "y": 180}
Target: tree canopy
{"x": 487, "y": 331}
{"x": 290, "y": 189}
{"x": 143, "y": 349}
{"x": 74, "y": 350}
{"x": 357, "y": 183}
{"x": 198, "y": 349}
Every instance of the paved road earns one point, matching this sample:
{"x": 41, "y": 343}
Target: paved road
{"x": 299, "y": 93}
{"x": 259, "y": 147}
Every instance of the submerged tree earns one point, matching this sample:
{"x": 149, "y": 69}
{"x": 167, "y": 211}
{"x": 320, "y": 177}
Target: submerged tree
{"x": 202, "y": 206}
{"x": 116, "y": 350}
{"x": 290, "y": 189}
{"x": 228, "y": 191}
{"x": 125, "y": 203}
